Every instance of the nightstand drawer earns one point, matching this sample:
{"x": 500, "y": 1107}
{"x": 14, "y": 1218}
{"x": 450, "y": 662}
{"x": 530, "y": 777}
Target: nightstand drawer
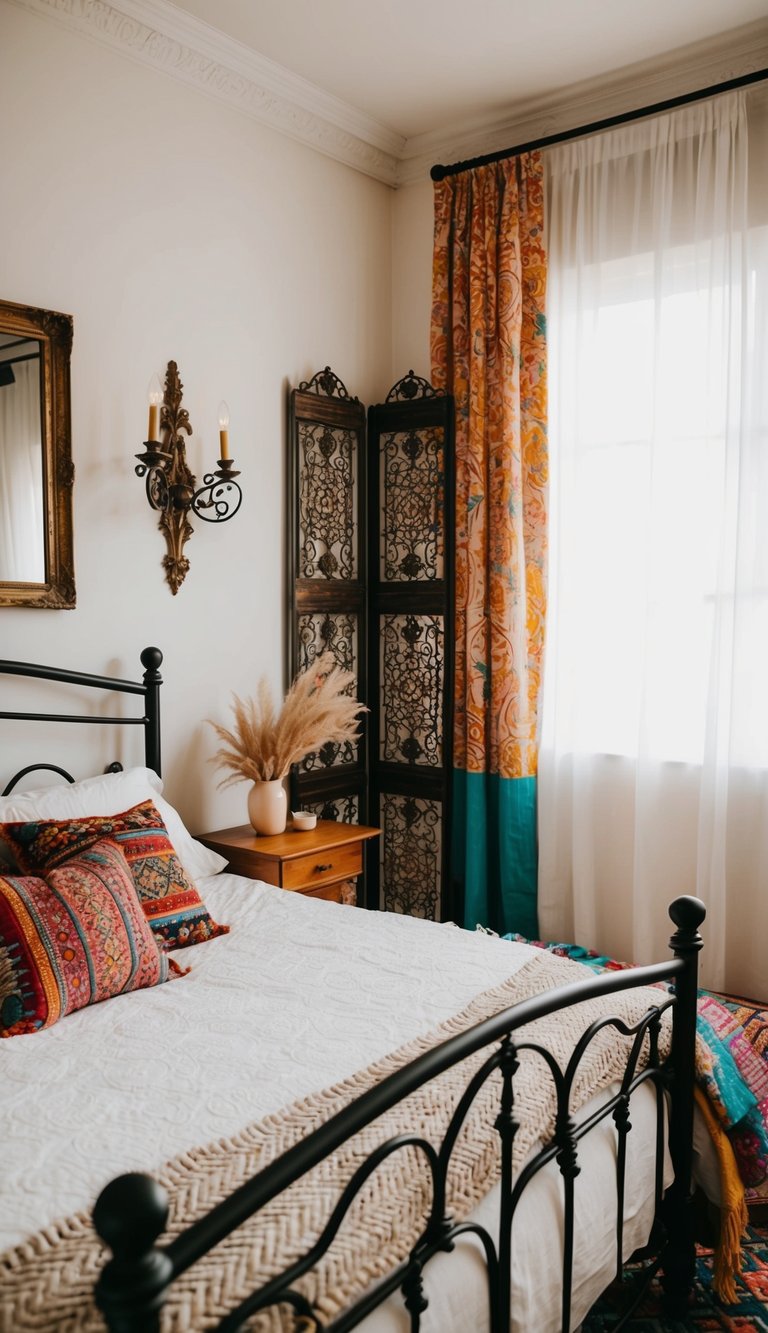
{"x": 323, "y": 862}
{"x": 331, "y": 893}
{"x": 322, "y": 867}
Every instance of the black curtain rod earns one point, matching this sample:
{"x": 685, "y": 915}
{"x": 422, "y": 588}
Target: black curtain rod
{"x": 439, "y": 173}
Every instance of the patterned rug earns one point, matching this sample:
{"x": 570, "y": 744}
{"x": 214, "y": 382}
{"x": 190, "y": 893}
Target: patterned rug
{"x": 748, "y": 1315}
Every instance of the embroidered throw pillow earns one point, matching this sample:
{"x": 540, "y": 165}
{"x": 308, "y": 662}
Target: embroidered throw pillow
{"x": 103, "y": 795}
{"x": 171, "y": 903}
{"x": 74, "y": 938}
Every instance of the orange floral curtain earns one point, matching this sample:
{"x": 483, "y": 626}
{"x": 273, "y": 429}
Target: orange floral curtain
{"x": 488, "y": 342}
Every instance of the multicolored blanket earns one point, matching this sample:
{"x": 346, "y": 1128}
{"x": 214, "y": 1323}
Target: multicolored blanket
{"x": 731, "y": 1066}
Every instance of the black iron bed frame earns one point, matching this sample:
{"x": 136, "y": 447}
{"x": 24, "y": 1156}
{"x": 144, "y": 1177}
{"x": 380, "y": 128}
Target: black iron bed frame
{"x": 131, "y": 1212}
{"x": 148, "y": 688}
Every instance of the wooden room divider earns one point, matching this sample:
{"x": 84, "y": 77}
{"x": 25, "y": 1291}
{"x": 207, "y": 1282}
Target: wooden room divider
{"x": 371, "y": 580}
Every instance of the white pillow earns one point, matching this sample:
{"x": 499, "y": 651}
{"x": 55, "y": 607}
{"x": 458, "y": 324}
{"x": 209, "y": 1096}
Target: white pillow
{"x": 110, "y": 794}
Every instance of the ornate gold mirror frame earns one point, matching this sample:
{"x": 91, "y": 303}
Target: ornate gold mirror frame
{"x": 22, "y": 326}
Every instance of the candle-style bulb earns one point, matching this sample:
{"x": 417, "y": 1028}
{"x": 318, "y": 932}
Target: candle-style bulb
{"x": 223, "y": 431}
{"x": 155, "y": 394}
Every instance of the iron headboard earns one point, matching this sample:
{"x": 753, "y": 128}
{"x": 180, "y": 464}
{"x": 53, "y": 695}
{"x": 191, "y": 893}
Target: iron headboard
{"x": 148, "y": 687}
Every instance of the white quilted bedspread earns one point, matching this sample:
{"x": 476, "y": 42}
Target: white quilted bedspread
{"x": 300, "y": 994}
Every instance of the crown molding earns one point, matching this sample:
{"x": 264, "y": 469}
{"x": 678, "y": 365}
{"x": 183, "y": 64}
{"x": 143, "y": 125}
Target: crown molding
{"x": 700, "y": 65}
{"x": 159, "y": 34}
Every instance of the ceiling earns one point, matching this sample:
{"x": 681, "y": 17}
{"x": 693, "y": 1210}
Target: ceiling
{"x": 424, "y": 66}
{"x": 392, "y": 87}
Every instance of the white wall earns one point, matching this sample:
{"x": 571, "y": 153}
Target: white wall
{"x": 172, "y": 227}
{"x": 412, "y": 229}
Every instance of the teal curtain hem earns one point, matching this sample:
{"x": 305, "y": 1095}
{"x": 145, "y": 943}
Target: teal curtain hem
{"x": 494, "y": 851}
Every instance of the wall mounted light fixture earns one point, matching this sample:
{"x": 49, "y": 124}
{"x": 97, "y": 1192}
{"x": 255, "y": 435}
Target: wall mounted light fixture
{"x": 171, "y": 488}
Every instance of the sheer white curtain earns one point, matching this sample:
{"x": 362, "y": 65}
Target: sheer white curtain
{"x": 22, "y": 549}
{"x": 653, "y": 773}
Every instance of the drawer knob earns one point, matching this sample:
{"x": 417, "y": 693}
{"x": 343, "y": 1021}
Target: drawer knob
{"x": 319, "y": 869}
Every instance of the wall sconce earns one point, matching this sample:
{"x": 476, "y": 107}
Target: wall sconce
{"x": 171, "y": 487}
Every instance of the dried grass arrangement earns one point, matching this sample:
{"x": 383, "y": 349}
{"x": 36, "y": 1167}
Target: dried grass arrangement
{"x": 317, "y": 709}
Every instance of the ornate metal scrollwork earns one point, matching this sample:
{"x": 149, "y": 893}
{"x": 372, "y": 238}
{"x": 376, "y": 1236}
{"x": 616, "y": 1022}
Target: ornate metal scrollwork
{"x": 412, "y": 652}
{"x": 219, "y": 497}
{"x": 156, "y": 485}
{"x": 411, "y": 855}
{"x": 412, "y": 520}
{"x": 344, "y": 809}
{"x": 327, "y": 502}
{"x": 327, "y": 382}
{"x": 409, "y": 387}
{"x": 330, "y": 632}
{"x": 172, "y": 488}
{"x": 327, "y": 564}
{"x": 410, "y": 456}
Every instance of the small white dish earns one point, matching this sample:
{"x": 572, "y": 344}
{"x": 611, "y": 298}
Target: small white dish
{"x": 303, "y": 820}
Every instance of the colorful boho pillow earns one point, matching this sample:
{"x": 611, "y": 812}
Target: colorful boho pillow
{"x": 172, "y": 904}
{"x": 74, "y": 938}
{"x": 103, "y": 795}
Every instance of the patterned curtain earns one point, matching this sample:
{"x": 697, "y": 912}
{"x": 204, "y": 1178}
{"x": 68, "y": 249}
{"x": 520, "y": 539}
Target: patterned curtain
{"x": 488, "y": 342}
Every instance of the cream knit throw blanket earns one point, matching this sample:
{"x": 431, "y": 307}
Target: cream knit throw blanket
{"x": 47, "y": 1282}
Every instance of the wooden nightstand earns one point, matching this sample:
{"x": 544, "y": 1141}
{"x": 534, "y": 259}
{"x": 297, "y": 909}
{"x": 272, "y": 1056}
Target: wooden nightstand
{"x": 323, "y": 863}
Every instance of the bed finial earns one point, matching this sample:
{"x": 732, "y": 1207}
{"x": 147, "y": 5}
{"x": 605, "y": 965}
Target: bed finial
{"x": 152, "y": 659}
{"x": 687, "y": 913}
{"x": 129, "y": 1215}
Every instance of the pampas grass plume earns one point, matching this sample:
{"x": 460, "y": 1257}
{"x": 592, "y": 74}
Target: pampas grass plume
{"x": 262, "y": 745}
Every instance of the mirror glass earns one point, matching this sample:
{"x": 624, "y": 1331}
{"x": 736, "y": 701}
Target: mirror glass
{"x": 36, "y": 473}
{"x": 22, "y": 531}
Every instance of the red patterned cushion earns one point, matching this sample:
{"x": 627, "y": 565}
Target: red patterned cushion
{"x": 172, "y": 904}
{"x": 74, "y": 938}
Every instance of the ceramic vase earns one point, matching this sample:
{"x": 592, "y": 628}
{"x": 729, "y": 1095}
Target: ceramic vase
{"x": 268, "y": 806}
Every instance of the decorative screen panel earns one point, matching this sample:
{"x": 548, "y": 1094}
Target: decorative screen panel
{"x": 411, "y": 669}
{"x": 328, "y": 502}
{"x": 410, "y": 855}
{"x": 412, "y": 471}
{"x": 410, "y": 593}
{"x": 344, "y": 809}
{"x": 327, "y": 569}
{"x": 328, "y": 632}
{"x": 336, "y": 633}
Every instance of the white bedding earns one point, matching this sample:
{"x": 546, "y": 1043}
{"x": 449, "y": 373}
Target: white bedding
{"x": 283, "y": 1005}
